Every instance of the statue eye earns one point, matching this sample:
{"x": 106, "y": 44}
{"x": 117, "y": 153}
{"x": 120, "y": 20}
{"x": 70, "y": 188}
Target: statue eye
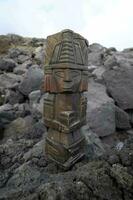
{"x": 59, "y": 74}
{"x": 85, "y": 73}
{"x": 75, "y": 74}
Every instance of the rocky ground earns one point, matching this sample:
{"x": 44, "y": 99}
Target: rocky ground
{"x": 106, "y": 172}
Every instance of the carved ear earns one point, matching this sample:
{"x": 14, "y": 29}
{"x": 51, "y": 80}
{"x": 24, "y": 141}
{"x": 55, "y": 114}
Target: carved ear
{"x": 49, "y": 83}
{"x": 84, "y": 82}
{"x": 52, "y": 85}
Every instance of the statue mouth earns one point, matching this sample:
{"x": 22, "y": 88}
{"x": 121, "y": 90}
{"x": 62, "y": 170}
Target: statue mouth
{"x": 68, "y": 86}
{"x": 67, "y": 89}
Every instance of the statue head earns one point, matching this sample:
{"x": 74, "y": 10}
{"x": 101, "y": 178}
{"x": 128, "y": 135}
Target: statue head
{"x": 67, "y": 70}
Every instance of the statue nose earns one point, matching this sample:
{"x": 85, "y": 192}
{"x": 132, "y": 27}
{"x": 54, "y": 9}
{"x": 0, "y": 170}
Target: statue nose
{"x": 67, "y": 76}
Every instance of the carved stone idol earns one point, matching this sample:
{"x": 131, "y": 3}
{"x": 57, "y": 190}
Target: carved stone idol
{"x": 66, "y": 78}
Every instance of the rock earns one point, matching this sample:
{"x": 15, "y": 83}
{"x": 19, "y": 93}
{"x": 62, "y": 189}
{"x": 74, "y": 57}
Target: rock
{"x": 7, "y": 64}
{"x": 8, "y": 80}
{"x": 36, "y": 152}
{"x": 39, "y": 55}
{"x": 119, "y": 85}
{"x": 126, "y": 153}
{"x": 15, "y": 39}
{"x": 18, "y": 127}
{"x": 93, "y": 147}
{"x": 37, "y": 131}
{"x": 6, "y": 114}
{"x": 95, "y": 58}
{"x": 5, "y": 44}
{"x": 95, "y": 47}
{"x": 100, "y": 110}
{"x": 91, "y": 68}
{"x": 34, "y": 97}
{"x": 21, "y": 110}
{"x": 110, "y": 62}
{"x": 2, "y": 97}
{"x": 95, "y": 175}
{"x": 22, "y": 68}
{"x": 36, "y": 42}
{"x": 20, "y": 55}
{"x": 119, "y": 146}
{"x": 65, "y": 191}
{"x": 13, "y": 97}
{"x": 122, "y": 119}
{"x": 97, "y": 74}
{"x": 24, "y": 176}
{"x": 22, "y": 58}
{"x": 32, "y": 80}
{"x": 130, "y": 132}
{"x": 130, "y": 114}
{"x": 112, "y": 49}
{"x": 14, "y": 53}
{"x": 123, "y": 178}
{"x": 36, "y": 104}
{"x": 128, "y": 50}
{"x": 118, "y": 59}
{"x": 12, "y": 152}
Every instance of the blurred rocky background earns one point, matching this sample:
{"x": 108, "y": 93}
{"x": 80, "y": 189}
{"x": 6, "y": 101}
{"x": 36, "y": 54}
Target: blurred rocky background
{"x": 106, "y": 172}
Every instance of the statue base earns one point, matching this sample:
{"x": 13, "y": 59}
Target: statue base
{"x": 64, "y": 149}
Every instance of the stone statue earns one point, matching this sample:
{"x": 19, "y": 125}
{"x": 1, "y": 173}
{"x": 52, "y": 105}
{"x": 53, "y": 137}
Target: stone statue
{"x": 66, "y": 78}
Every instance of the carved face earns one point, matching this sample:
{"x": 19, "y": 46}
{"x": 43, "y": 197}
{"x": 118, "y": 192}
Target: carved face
{"x": 67, "y": 80}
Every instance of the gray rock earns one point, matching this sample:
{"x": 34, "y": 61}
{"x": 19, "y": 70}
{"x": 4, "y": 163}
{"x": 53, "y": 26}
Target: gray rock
{"x": 34, "y": 96}
{"x": 119, "y": 146}
{"x": 39, "y": 55}
{"x": 25, "y": 176}
{"x": 32, "y": 80}
{"x": 122, "y": 176}
{"x": 22, "y": 68}
{"x": 95, "y": 47}
{"x": 14, "y": 52}
{"x": 128, "y": 50}
{"x": 95, "y": 58}
{"x": 36, "y": 104}
{"x": 93, "y": 147}
{"x": 35, "y": 42}
{"x": 18, "y": 127}
{"x": 96, "y": 53}
{"x": 120, "y": 59}
{"x": 6, "y": 114}
{"x": 22, "y": 58}
{"x": 130, "y": 132}
{"x": 100, "y": 110}
{"x": 110, "y": 62}
{"x": 91, "y": 68}
{"x": 98, "y": 180}
{"x": 119, "y": 83}
{"x": 37, "y": 131}
{"x": 97, "y": 74}
{"x": 7, "y": 64}
{"x": 14, "y": 97}
{"x": 130, "y": 114}
{"x": 2, "y": 96}
{"x": 8, "y": 80}
{"x": 21, "y": 110}
{"x": 36, "y": 152}
{"x": 122, "y": 119}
